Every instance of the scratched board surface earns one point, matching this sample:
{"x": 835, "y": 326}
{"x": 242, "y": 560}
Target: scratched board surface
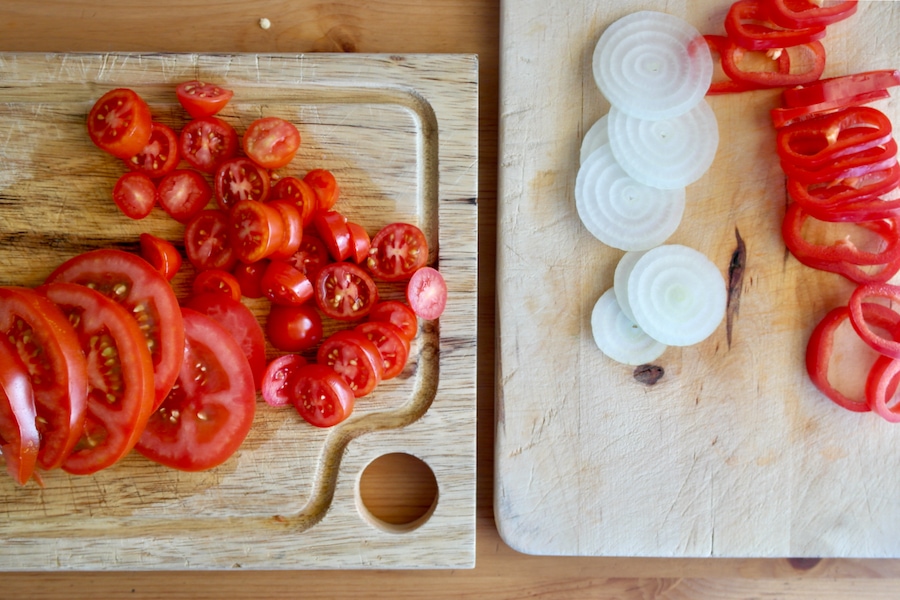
{"x": 399, "y": 132}
{"x": 720, "y": 449}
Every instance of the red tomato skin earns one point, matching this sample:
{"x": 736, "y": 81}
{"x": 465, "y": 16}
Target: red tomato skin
{"x": 299, "y": 193}
{"x": 397, "y": 314}
{"x": 207, "y": 241}
{"x": 397, "y": 251}
{"x": 125, "y": 108}
{"x": 161, "y": 254}
{"x": 283, "y": 284}
{"x": 426, "y": 293}
{"x": 325, "y": 186}
{"x": 345, "y": 292}
{"x": 293, "y": 229}
{"x": 216, "y": 281}
{"x": 183, "y": 193}
{"x": 392, "y": 345}
{"x": 311, "y": 256}
{"x": 311, "y": 383}
{"x": 249, "y": 277}
{"x": 294, "y": 328}
{"x": 160, "y": 156}
{"x": 18, "y": 415}
{"x": 271, "y": 142}
{"x": 256, "y": 230}
{"x": 135, "y": 195}
{"x": 276, "y": 383}
{"x": 202, "y": 99}
{"x": 239, "y": 179}
{"x": 331, "y": 228}
{"x": 360, "y": 243}
{"x": 355, "y": 358}
{"x": 207, "y": 142}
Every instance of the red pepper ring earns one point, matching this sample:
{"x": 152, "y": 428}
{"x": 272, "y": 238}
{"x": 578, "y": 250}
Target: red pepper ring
{"x": 803, "y": 13}
{"x": 881, "y": 385}
{"x": 782, "y": 117}
{"x": 720, "y": 45}
{"x": 734, "y": 57}
{"x": 860, "y": 319}
{"x": 846, "y": 167}
{"x": 820, "y": 347}
{"x": 842, "y": 87}
{"x": 834, "y": 195}
{"x": 764, "y": 34}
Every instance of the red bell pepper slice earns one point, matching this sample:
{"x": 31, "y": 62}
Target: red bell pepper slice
{"x": 733, "y": 58}
{"x": 880, "y": 387}
{"x": 719, "y": 45}
{"x": 799, "y": 14}
{"x": 838, "y": 88}
{"x": 846, "y": 167}
{"x": 764, "y": 34}
{"x": 858, "y": 317}
{"x": 836, "y": 194}
{"x": 782, "y": 117}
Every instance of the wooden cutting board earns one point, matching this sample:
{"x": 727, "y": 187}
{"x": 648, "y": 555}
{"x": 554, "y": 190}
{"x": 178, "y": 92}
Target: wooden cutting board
{"x": 400, "y": 134}
{"x": 732, "y": 452}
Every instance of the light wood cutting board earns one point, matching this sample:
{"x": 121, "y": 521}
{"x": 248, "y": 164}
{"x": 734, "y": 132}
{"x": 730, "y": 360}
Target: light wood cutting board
{"x": 732, "y": 452}
{"x": 400, "y": 134}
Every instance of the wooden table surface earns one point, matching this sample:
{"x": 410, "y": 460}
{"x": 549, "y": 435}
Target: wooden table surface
{"x": 395, "y": 26}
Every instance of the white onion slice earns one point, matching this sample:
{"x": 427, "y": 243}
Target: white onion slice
{"x": 595, "y": 137}
{"x": 677, "y": 295}
{"x": 618, "y": 337}
{"x": 652, "y": 65}
{"x": 670, "y": 153}
{"x": 620, "y": 279}
{"x": 619, "y": 211}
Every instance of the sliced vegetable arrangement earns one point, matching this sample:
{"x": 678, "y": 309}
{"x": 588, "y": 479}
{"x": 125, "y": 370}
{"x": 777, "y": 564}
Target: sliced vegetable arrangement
{"x": 103, "y": 358}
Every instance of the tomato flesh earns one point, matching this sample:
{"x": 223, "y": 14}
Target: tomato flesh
{"x": 397, "y": 251}
{"x": 345, "y": 292}
{"x": 135, "y": 195}
{"x": 183, "y": 193}
{"x": 427, "y": 293}
{"x": 160, "y": 156}
{"x": 271, "y": 142}
{"x": 321, "y": 396}
{"x": 355, "y": 358}
{"x": 276, "y": 383}
{"x": 207, "y": 241}
{"x": 207, "y": 142}
{"x": 392, "y": 345}
{"x": 240, "y": 179}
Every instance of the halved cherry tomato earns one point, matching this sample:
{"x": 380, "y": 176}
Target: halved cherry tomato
{"x": 208, "y": 413}
{"x": 397, "y": 251}
{"x": 135, "y": 195}
{"x": 311, "y": 256}
{"x": 120, "y": 123}
{"x": 207, "y": 241}
{"x": 161, "y": 254}
{"x": 216, "y": 281}
{"x": 160, "y": 156}
{"x": 183, "y": 193}
{"x": 293, "y": 229}
{"x": 249, "y": 276}
{"x": 345, "y": 292}
{"x": 284, "y": 284}
{"x": 49, "y": 348}
{"x": 392, "y": 344}
{"x": 355, "y": 358}
{"x": 256, "y": 230}
{"x": 427, "y": 293}
{"x": 19, "y": 437}
{"x": 325, "y": 186}
{"x": 331, "y": 228}
{"x": 240, "y": 179}
{"x": 120, "y": 374}
{"x": 201, "y": 99}
{"x": 277, "y": 383}
{"x": 321, "y": 396}
{"x": 207, "y": 142}
{"x": 271, "y": 142}
{"x": 240, "y": 322}
{"x": 300, "y": 193}
{"x": 398, "y": 314}
{"x": 294, "y": 328}
{"x": 145, "y": 293}
{"x": 360, "y": 243}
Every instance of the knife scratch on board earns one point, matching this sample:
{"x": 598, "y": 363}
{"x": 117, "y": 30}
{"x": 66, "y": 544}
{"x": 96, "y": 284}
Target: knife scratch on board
{"x": 735, "y": 283}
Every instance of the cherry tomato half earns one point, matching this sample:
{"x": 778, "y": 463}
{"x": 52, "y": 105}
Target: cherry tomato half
{"x": 120, "y": 123}
{"x": 216, "y": 281}
{"x": 135, "y": 195}
{"x": 207, "y": 142}
{"x": 298, "y": 192}
{"x": 345, "y": 292}
{"x": 160, "y": 156}
{"x": 183, "y": 193}
{"x": 293, "y": 229}
{"x": 397, "y": 251}
{"x": 256, "y": 230}
{"x": 331, "y": 227}
{"x": 240, "y": 179}
{"x": 360, "y": 243}
{"x": 392, "y": 344}
{"x": 398, "y": 314}
{"x": 321, "y": 396}
{"x": 207, "y": 241}
{"x": 311, "y": 256}
{"x": 276, "y": 383}
{"x": 427, "y": 293}
{"x": 284, "y": 284}
{"x": 294, "y": 328}
{"x": 201, "y": 99}
{"x": 324, "y": 185}
{"x": 355, "y": 358}
{"x": 249, "y": 277}
{"x": 161, "y": 254}
{"x": 271, "y": 142}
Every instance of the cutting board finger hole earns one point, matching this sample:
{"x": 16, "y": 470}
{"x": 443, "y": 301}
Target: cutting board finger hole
{"x": 397, "y": 492}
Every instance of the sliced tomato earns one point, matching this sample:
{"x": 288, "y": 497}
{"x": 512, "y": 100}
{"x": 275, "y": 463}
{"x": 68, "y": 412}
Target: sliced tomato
{"x": 209, "y": 411}
{"x": 344, "y": 291}
{"x": 145, "y": 293}
{"x": 271, "y": 142}
{"x": 392, "y": 344}
{"x": 216, "y": 281}
{"x": 398, "y": 314}
{"x": 284, "y": 284}
{"x": 397, "y": 251}
{"x": 331, "y": 228}
{"x": 207, "y": 142}
{"x": 48, "y": 346}
{"x": 161, "y": 254}
{"x": 427, "y": 293}
{"x": 298, "y": 192}
{"x": 294, "y": 328}
{"x": 240, "y": 179}
{"x": 160, "y": 156}
{"x": 256, "y": 230}
{"x": 120, "y": 123}
{"x": 311, "y": 256}
{"x": 355, "y": 358}
{"x": 202, "y": 99}
{"x": 321, "y": 396}
{"x": 207, "y": 241}
{"x": 325, "y": 186}
{"x": 276, "y": 383}
{"x": 120, "y": 375}
{"x": 135, "y": 195}
{"x": 360, "y": 243}
{"x": 249, "y": 277}
{"x": 183, "y": 193}
{"x": 240, "y": 322}
{"x": 293, "y": 229}
{"x": 19, "y": 437}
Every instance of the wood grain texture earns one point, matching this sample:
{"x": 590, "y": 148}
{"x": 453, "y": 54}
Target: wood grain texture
{"x": 732, "y": 452}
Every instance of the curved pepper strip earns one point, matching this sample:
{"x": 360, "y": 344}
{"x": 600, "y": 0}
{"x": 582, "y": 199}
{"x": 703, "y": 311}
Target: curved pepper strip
{"x": 782, "y": 117}
{"x": 881, "y": 385}
{"x": 840, "y": 88}
{"x": 720, "y": 45}
{"x": 846, "y": 167}
{"x": 835, "y": 195}
{"x": 859, "y": 318}
{"x": 734, "y": 55}
{"x": 764, "y": 34}
{"x": 815, "y": 142}
{"x": 803, "y": 13}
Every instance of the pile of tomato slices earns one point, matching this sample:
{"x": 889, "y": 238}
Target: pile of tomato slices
{"x": 103, "y": 359}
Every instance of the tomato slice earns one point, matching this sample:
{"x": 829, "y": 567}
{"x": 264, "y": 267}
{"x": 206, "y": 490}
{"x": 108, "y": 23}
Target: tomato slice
{"x": 120, "y": 375}
{"x": 360, "y": 243}
{"x": 398, "y": 250}
{"x": 145, "y": 293}
{"x": 355, "y": 358}
{"x": 325, "y": 186}
{"x": 183, "y": 193}
{"x": 160, "y": 156}
{"x": 207, "y": 142}
{"x": 271, "y": 142}
{"x": 240, "y": 322}
{"x": 398, "y": 314}
{"x": 311, "y": 256}
{"x": 120, "y": 123}
{"x": 321, "y": 396}
{"x": 257, "y": 230}
{"x": 331, "y": 227}
{"x": 298, "y": 192}
{"x": 48, "y": 346}
{"x": 19, "y": 437}
{"x": 293, "y": 229}
{"x": 249, "y": 277}
{"x": 216, "y": 281}
{"x": 276, "y": 383}
{"x": 392, "y": 345}
{"x": 135, "y": 195}
{"x": 284, "y": 284}
{"x": 240, "y": 179}
{"x": 202, "y": 99}
{"x": 207, "y": 241}
{"x": 427, "y": 293}
{"x": 209, "y": 411}
{"x": 345, "y": 292}
{"x": 294, "y": 328}
{"x": 161, "y": 254}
